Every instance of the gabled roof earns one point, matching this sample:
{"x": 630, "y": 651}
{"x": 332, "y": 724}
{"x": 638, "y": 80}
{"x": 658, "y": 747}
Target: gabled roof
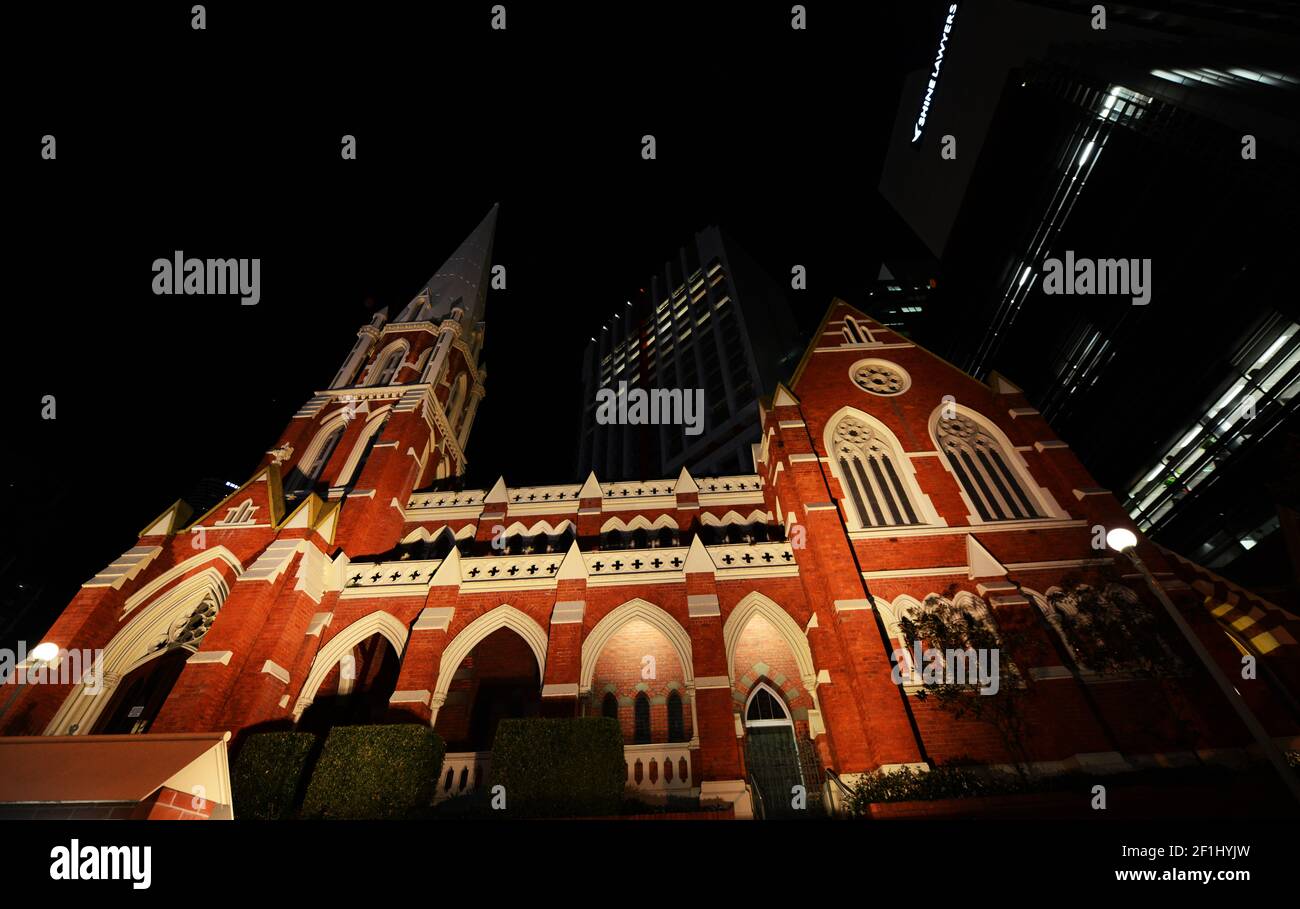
{"x": 821, "y": 328}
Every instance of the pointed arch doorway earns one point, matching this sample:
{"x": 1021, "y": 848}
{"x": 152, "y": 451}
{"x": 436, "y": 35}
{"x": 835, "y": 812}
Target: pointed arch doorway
{"x": 771, "y": 752}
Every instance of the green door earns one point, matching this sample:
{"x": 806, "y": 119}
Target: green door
{"x": 773, "y": 763}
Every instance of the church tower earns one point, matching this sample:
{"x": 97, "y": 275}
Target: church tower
{"x": 207, "y": 621}
{"x": 398, "y": 414}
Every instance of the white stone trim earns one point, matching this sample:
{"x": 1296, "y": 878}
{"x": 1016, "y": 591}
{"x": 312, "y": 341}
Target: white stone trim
{"x": 852, "y": 605}
{"x": 566, "y": 690}
{"x": 319, "y": 622}
{"x": 210, "y": 656}
{"x": 708, "y": 682}
{"x": 703, "y": 605}
{"x": 410, "y": 697}
{"x": 270, "y": 667}
{"x": 125, "y": 567}
{"x": 568, "y": 612}
{"x": 434, "y": 618}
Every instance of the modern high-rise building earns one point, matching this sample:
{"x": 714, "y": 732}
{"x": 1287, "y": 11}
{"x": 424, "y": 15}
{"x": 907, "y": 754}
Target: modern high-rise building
{"x": 1169, "y": 141}
{"x": 709, "y": 319}
{"x": 904, "y": 296}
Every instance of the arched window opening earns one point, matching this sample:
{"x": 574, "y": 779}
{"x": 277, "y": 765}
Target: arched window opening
{"x": 609, "y": 706}
{"x": 358, "y": 688}
{"x": 641, "y": 718}
{"x": 676, "y": 723}
{"x": 350, "y": 480}
{"x": 305, "y": 475}
{"x": 140, "y": 696}
{"x": 984, "y": 470}
{"x": 456, "y": 402}
{"x": 386, "y": 369}
{"x": 766, "y": 707}
{"x": 872, "y": 475}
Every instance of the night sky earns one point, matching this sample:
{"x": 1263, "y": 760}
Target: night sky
{"x": 181, "y": 145}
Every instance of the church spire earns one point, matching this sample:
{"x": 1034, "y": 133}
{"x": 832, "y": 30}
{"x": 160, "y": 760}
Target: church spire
{"x": 460, "y": 282}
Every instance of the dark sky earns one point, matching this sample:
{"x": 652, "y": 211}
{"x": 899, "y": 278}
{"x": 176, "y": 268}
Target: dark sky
{"x": 225, "y": 144}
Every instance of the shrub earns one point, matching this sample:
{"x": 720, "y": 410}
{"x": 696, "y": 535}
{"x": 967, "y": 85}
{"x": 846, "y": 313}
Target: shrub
{"x": 907, "y": 784}
{"x": 268, "y": 774}
{"x": 375, "y": 772}
{"x": 559, "y": 767}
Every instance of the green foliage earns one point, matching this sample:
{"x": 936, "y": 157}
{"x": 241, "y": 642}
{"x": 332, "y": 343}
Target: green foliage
{"x": 559, "y": 767}
{"x": 268, "y": 774}
{"x": 907, "y": 785}
{"x": 1110, "y": 630}
{"x": 383, "y": 772}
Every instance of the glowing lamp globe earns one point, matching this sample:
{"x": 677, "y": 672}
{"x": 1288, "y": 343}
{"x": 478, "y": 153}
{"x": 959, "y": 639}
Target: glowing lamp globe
{"x": 1121, "y": 539}
{"x": 45, "y": 652}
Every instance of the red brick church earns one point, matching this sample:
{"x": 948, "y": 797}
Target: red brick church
{"x": 741, "y": 628}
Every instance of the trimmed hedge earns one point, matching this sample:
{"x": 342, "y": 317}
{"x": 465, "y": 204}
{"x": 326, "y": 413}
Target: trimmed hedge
{"x": 375, "y": 772}
{"x": 268, "y": 774}
{"x": 559, "y": 767}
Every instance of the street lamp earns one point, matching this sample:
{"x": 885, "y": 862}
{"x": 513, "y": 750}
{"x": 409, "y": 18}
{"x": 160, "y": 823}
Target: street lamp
{"x": 45, "y": 652}
{"x": 1121, "y": 539}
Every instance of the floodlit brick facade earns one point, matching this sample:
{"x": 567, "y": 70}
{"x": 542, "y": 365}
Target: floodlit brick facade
{"x": 742, "y": 629}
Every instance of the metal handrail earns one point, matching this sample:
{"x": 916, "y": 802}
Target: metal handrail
{"x": 761, "y": 812}
{"x": 845, "y": 792}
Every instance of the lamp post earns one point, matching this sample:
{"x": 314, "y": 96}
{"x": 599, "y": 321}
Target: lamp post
{"x": 1123, "y": 540}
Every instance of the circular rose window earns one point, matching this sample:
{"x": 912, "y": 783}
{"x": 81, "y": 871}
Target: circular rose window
{"x": 880, "y": 377}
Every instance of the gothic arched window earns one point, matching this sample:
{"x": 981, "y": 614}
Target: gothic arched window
{"x": 874, "y": 476}
{"x": 385, "y": 369}
{"x": 641, "y": 717}
{"x": 609, "y": 706}
{"x": 307, "y": 472}
{"x": 985, "y": 470}
{"x": 676, "y": 725}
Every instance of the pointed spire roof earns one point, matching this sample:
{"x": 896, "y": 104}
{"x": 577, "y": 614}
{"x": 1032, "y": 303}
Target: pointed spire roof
{"x": 885, "y": 273}
{"x": 572, "y": 568}
{"x": 685, "y": 484}
{"x": 461, "y": 281}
